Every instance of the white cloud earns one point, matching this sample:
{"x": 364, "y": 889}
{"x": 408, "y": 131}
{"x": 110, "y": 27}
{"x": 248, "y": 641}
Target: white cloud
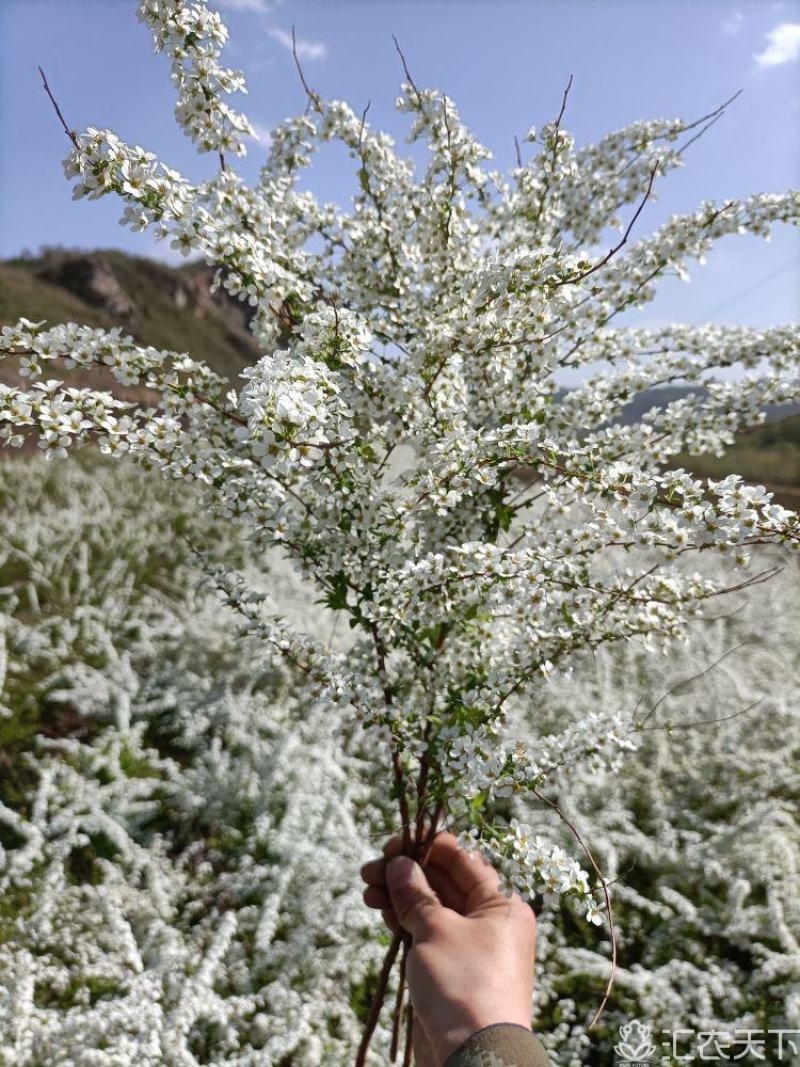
{"x": 732, "y": 26}
{"x": 258, "y": 7}
{"x": 783, "y": 45}
{"x": 263, "y": 135}
{"x": 306, "y": 49}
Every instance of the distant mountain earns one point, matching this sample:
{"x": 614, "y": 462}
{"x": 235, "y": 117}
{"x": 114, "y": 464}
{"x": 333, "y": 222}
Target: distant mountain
{"x": 667, "y": 394}
{"x": 168, "y": 307}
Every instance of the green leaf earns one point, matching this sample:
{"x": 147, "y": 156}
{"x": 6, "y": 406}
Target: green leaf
{"x": 336, "y": 598}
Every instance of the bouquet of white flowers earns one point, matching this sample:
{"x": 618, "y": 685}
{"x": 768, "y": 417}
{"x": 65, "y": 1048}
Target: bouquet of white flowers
{"x": 403, "y": 440}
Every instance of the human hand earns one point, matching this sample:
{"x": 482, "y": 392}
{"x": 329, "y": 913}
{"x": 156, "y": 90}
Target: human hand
{"x": 471, "y": 961}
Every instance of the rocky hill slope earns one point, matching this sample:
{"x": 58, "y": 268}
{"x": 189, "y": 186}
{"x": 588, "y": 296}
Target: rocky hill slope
{"x": 168, "y": 307}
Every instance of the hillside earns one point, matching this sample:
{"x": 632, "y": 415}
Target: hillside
{"x": 168, "y": 307}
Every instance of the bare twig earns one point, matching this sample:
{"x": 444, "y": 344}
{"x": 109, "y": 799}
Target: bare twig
{"x": 669, "y": 727}
{"x": 748, "y": 583}
{"x": 563, "y": 107}
{"x": 398, "y": 1007}
{"x": 680, "y": 685}
{"x": 433, "y": 830}
{"x": 378, "y": 998}
{"x": 556, "y": 129}
{"x": 361, "y": 127}
{"x": 709, "y": 121}
{"x": 401, "y": 799}
{"x": 407, "y": 72}
{"x": 409, "y": 1051}
{"x": 70, "y": 133}
{"x": 313, "y": 97}
{"x": 518, "y": 151}
{"x": 452, "y": 181}
{"x": 399, "y": 781}
{"x": 232, "y": 415}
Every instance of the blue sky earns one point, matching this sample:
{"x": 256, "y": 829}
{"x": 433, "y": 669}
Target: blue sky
{"x": 505, "y": 63}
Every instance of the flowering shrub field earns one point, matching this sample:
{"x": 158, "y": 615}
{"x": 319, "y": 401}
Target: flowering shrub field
{"x": 180, "y": 845}
{"x": 181, "y": 832}
{"x": 403, "y": 447}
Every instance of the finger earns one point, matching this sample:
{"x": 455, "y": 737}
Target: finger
{"x": 414, "y": 901}
{"x": 395, "y": 845}
{"x": 376, "y": 897}
{"x": 390, "y": 918}
{"x": 374, "y": 872}
{"x": 445, "y": 888}
{"x": 473, "y": 875}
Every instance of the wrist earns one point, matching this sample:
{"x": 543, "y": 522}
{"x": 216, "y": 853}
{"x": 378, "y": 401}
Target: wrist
{"x": 451, "y": 1038}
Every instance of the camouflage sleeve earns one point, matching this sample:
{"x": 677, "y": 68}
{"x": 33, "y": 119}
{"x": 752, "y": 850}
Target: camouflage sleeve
{"x": 503, "y": 1045}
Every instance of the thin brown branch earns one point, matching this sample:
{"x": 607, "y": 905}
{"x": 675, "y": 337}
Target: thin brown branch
{"x": 748, "y": 583}
{"x": 631, "y": 296}
{"x": 709, "y": 121}
{"x": 70, "y": 133}
{"x": 620, "y": 244}
{"x": 670, "y": 727}
{"x": 549, "y": 174}
{"x": 399, "y": 781}
{"x": 361, "y": 128}
{"x": 232, "y": 415}
{"x": 680, "y": 685}
{"x": 452, "y": 179}
{"x": 612, "y": 933}
{"x": 409, "y": 1051}
{"x": 433, "y": 830}
{"x": 402, "y": 799}
{"x": 407, "y": 72}
{"x": 563, "y": 107}
{"x": 378, "y": 999}
{"x": 313, "y": 97}
{"x": 398, "y": 1006}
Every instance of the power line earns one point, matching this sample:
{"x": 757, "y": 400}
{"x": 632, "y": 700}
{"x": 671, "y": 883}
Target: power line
{"x": 752, "y": 288}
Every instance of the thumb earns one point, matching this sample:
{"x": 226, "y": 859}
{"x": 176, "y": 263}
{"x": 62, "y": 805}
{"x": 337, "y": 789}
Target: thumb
{"x": 414, "y": 901}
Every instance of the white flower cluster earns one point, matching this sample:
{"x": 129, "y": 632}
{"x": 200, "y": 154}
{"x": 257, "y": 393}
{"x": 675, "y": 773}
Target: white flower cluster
{"x": 404, "y": 439}
{"x": 287, "y": 397}
{"x": 293, "y": 402}
{"x": 193, "y": 38}
{"x": 528, "y": 864}
{"x": 103, "y": 164}
{"x": 486, "y": 766}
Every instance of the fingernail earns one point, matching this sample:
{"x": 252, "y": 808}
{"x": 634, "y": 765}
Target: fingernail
{"x": 400, "y": 872}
